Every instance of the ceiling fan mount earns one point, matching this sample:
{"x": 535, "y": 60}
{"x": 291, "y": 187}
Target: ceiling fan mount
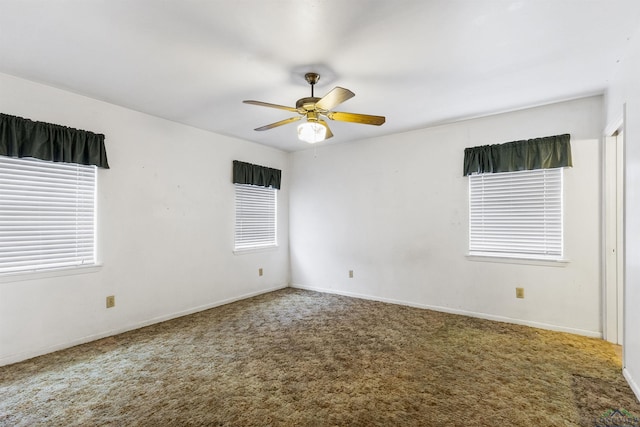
{"x": 312, "y": 78}
{"x": 315, "y": 129}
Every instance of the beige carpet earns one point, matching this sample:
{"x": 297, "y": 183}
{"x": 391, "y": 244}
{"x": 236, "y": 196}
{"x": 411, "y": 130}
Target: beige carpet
{"x": 300, "y": 358}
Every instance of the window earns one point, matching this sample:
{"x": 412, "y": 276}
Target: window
{"x": 255, "y": 217}
{"x": 516, "y": 214}
{"x": 47, "y": 214}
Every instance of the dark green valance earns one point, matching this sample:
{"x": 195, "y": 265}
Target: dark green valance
{"x": 538, "y": 153}
{"x": 247, "y": 173}
{"x": 45, "y": 141}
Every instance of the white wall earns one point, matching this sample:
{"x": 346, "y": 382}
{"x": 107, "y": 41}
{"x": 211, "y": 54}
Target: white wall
{"x": 395, "y": 211}
{"x": 625, "y": 91}
{"x": 166, "y": 223}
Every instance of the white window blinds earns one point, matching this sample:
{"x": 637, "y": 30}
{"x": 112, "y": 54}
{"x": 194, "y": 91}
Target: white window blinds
{"x": 516, "y": 214}
{"x": 255, "y": 217}
{"x": 47, "y": 214}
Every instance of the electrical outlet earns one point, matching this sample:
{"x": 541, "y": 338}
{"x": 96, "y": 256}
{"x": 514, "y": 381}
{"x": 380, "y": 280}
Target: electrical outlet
{"x": 259, "y": 272}
{"x": 519, "y": 292}
{"x": 111, "y": 301}
{"x": 350, "y": 274}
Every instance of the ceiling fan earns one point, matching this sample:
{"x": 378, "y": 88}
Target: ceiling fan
{"x": 314, "y": 128}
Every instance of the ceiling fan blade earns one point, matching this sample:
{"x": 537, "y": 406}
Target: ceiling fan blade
{"x": 337, "y": 96}
{"x": 329, "y": 133}
{"x": 356, "y": 118}
{"x": 280, "y": 123}
{"x": 266, "y": 104}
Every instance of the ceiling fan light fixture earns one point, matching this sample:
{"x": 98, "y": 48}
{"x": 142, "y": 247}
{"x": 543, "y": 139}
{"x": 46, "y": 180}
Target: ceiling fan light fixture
{"x": 311, "y": 132}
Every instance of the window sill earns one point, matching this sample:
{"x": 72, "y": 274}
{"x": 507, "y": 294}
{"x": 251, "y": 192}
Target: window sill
{"x": 53, "y": 272}
{"x": 518, "y": 260}
{"x": 255, "y": 250}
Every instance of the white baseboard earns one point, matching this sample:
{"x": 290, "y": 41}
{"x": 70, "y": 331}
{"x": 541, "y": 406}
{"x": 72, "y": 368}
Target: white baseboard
{"x": 634, "y": 385}
{"x": 486, "y": 316}
{"x": 39, "y": 352}
{"x": 7, "y": 360}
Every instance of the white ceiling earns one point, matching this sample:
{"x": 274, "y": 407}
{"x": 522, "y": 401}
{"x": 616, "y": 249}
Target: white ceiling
{"x": 417, "y": 62}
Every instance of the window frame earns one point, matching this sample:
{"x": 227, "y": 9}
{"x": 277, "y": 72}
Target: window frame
{"x": 21, "y": 179}
{"x": 544, "y": 214}
{"x": 248, "y": 198}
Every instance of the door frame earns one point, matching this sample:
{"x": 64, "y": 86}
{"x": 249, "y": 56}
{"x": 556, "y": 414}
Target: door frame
{"x": 613, "y": 233}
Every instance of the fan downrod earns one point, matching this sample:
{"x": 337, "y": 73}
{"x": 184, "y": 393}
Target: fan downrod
{"x": 312, "y": 79}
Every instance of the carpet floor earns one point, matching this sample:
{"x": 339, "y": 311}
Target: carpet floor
{"x": 301, "y": 358}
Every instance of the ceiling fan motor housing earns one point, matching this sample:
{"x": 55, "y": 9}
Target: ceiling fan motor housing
{"x": 304, "y": 105}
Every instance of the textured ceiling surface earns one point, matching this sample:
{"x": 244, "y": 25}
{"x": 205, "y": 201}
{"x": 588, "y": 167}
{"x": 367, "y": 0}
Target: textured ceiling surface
{"x": 417, "y": 62}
